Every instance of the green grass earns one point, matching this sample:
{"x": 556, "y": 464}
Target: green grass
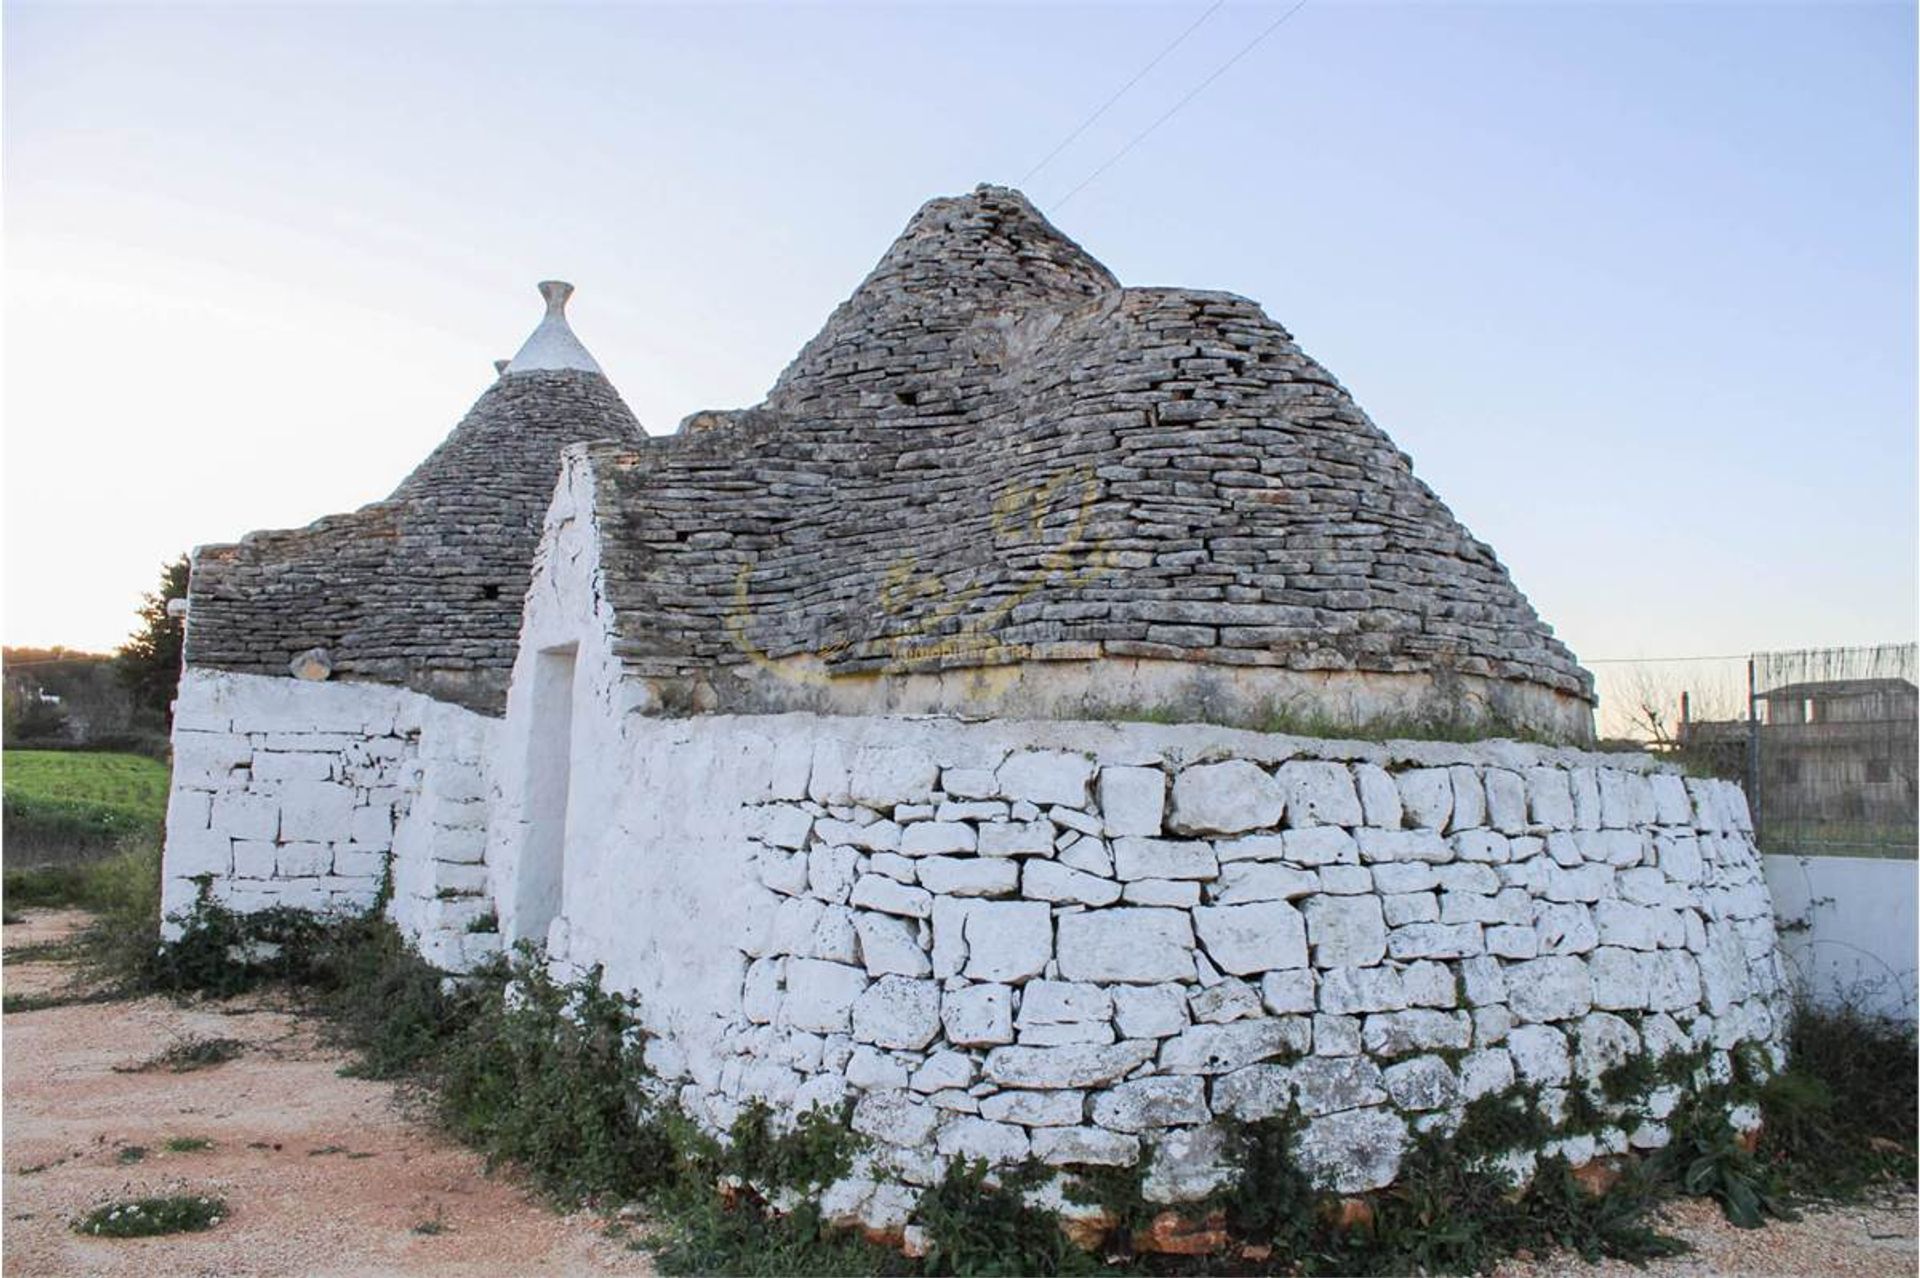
{"x": 63, "y": 805}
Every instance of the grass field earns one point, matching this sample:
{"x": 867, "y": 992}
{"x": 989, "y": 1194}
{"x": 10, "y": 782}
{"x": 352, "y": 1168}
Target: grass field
{"x": 63, "y": 805}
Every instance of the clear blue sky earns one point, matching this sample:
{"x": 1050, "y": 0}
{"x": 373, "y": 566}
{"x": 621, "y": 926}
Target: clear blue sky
{"x": 1634, "y": 284}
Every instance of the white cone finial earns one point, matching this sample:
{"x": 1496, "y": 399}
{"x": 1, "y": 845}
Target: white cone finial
{"x": 553, "y": 345}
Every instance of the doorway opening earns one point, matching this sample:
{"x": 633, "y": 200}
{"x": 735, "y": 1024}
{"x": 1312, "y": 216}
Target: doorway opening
{"x": 549, "y": 776}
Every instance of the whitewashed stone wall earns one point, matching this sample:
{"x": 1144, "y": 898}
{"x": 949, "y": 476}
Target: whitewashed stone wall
{"x": 1082, "y": 942}
{"x": 297, "y": 794}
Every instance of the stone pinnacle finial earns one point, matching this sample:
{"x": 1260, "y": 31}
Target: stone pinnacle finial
{"x": 552, "y": 345}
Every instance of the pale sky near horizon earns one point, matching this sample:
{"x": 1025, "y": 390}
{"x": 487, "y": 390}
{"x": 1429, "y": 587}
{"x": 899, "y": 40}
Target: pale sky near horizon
{"x": 1634, "y": 284}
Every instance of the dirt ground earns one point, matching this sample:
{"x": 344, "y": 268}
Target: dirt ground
{"x": 322, "y": 1174}
{"x": 326, "y": 1175}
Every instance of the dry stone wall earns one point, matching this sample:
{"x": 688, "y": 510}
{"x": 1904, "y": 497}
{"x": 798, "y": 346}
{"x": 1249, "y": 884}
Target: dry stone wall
{"x": 1084, "y": 943}
{"x": 331, "y": 798}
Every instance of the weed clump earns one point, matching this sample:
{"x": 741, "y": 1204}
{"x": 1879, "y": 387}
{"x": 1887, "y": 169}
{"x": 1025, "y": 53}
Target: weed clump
{"x": 147, "y": 1217}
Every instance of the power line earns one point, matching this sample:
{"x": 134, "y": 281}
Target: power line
{"x": 1174, "y": 110}
{"x": 1120, "y": 93}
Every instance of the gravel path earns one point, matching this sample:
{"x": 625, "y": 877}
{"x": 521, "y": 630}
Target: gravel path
{"x": 323, "y": 1174}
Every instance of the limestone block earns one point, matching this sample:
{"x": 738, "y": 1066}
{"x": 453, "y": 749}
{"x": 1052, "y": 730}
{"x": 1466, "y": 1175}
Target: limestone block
{"x": 1585, "y": 883}
{"x": 1132, "y": 800}
{"x": 1352, "y": 1151}
{"x": 1177, "y": 893}
{"x": 371, "y": 827}
{"x": 1673, "y": 981}
{"x": 943, "y": 1071}
{"x": 899, "y": 868}
{"x": 1435, "y": 940}
{"x": 1142, "y": 946}
{"x": 1429, "y": 984}
{"x": 1036, "y": 1109}
{"x": 782, "y": 825}
{"x": 870, "y": 1069}
{"x": 1320, "y": 793}
{"x": 874, "y": 892}
{"x": 1244, "y": 881}
{"x": 1149, "y": 1011}
{"x": 302, "y": 860}
{"x": 1417, "y": 1029}
{"x": 1409, "y": 907}
{"x": 1220, "y": 1049}
{"x": 1603, "y": 1041}
{"x": 1347, "y": 990}
{"x": 1620, "y": 978}
{"x": 277, "y": 766}
{"x": 1288, "y": 993}
{"x": 1550, "y": 798}
{"x": 318, "y": 810}
{"x": 890, "y": 946}
{"x": 1046, "y": 776}
{"x": 882, "y": 776}
{"x": 820, "y": 995}
{"x": 1231, "y": 999}
{"x": 1345, "y": 931}
{"x": 196, "y": 852}
{"x": 896, "y": 1117}
{"x": 936, "y": 838}
{"x": 1008, "y": 940}
{"x": 760, "y": 997}
{"x": 1016, "y": 838}
{"x": 829, "y": 872}
{"x": 1485, "y": 846}
{"x": 1336, "y": 1035}
{"x": 1051, "y": 881}
{"x": 1188, "y": 1165}
{"x": 1084, "y": 1146}
{"x": 1634, "y": 927}
{"x": 1426, "y": 797}
{"x": 1670, "y": 803}
{"x": 833, "y": 936}
{"x": 1074, "y": 821}
{"x": 1491, "y": 1024}
{"x": 1089, "y": 856}
{"x": 1402, "y": 845}
{"x": 1079, "y": 1065}
{"x": 1485, "y": 1072}
{"x": 1059, "y": 1035}
{"x": 972, "y": 876}
{"x": 446, "y": 845}
{"x": 1379, "y": 796}
{"x": 1549, "y": 989}
{"x": 872, "y": 836}
{"x": 241, "y": 814}
{"x": 971, "y": 810}
{"x": 786, "y": 872}
{"x": 1540, "y": 1055}
{"x": 1679, "y": 859}
{"x": 1137, "y": 858}
{"x": 1320, "y": 845}
{"x": 1467, "y": 878}
{"x": 1409, "y": 876}
{"x": 968, "y": 783}
{"x": 1513, "y": 942}
{"x": 1248, "y": 939}
{"x": 1565, "y": 929}
{"x": 1063, "y": 1002}
{"x": 1326, "y": 1084}
{"x": 1146, "y": 1104}
{"x": 1469, "y": 799}
{"x": 1506, "y": 800}
{"x": 1225, "y": 798}
{"x": 1423, "y": 1083}
{"x": 978, "y": 1016}
{"x": 898, "y": 1012}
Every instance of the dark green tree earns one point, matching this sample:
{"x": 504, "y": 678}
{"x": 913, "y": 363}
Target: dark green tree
{"x": 149, "y": 661}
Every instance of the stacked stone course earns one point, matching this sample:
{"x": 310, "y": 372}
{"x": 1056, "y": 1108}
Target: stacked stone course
{"x": 1087, "y": 961}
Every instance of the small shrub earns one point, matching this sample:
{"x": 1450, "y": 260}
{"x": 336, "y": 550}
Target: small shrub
{"x": 1841, "y": 1117}
{"x": 187, "y": 1144}
{"x": 131, "y": 1154}
{"x": 146, "y": 1217}
{"x": 981, "y": 1224}
{"x": 190, "y": 1054}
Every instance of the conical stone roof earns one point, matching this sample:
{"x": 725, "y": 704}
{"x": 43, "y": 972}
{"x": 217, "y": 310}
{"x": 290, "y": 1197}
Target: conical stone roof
{"x": 998, "y": 482}
{"x": 425, "y": 588}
